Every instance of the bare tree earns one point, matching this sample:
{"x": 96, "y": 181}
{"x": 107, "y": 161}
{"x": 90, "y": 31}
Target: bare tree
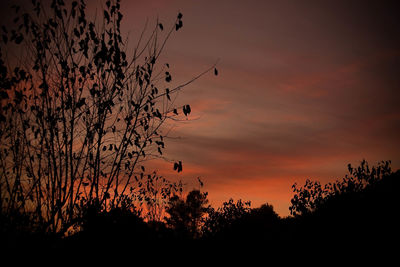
{"x": 79, "y": 112}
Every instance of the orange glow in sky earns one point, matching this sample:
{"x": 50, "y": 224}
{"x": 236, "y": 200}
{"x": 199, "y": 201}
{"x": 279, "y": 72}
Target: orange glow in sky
{"x": 304, "y": 88}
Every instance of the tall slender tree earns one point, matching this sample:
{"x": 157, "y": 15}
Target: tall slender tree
{"x": 80, "y": 113}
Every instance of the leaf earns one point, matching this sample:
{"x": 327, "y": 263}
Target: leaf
{"x": 106, "y": 16}
{"x": 92, "y": 92}
{"x": 186, "y": 110}
{"x": 168, "y": 77}
{"x": 215, "y": 71}
{"x": 157, "y": 114}
{"x": 200, "y": 182}
{"x": 58, "y": 13}
{"x": 178, "y": 166}
{"x": 81, "y": 102}
{"x": 19, "y": 39}
{"x": 76, "y": 32}
{"x": 179, "y": 25}
{"x": 180, "y": 15}
{"x": 160, "y": 143}
{"x": 160, "y": 26}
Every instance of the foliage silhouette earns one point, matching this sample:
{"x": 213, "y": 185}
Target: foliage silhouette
{"x": 238, "y": 222}
{"x": 312, "y": 196}
{"x": 361, "y": 213}
{"x": 186, "y": 216}
{"x": 221, "y": 220}
{"x": 355, "y": 211}
{"x": 80, "y": 113}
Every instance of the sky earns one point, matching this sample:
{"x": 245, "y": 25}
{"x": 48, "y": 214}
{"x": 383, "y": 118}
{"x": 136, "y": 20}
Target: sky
{"x": 304, "y": 88}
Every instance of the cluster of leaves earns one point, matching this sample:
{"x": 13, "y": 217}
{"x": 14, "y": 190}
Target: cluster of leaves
{"x": 313, "y": 195}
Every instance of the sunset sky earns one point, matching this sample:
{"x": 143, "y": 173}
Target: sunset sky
{"x": 304, "y": 88}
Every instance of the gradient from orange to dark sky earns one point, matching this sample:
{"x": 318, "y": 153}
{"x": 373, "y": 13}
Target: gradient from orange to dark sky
{"x": 304, "y": 88}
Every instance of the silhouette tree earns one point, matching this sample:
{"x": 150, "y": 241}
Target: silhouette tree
{"x": 238, "y": 222}
{"x": 312, "y": 195}
{"x": 219, "y": 222}
{"x": 186, "y": 216}
{"x": 154, "y": 195}
{"x": 355, "y": 211}
{"x": 80, "y": 113}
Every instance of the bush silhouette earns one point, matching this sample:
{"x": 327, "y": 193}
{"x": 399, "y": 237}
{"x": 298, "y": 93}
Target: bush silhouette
{"x": 357, "y": 210}
{"x": 220, "y": 222}
{"x": 312, "y": 195}
{"x": 238, "y": 222}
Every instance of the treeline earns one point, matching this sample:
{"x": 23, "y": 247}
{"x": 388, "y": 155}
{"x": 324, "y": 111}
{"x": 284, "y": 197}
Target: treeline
{"x": 357, "y": 209}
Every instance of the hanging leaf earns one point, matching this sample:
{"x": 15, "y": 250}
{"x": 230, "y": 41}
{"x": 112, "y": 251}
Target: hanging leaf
{"x": 186, "y": 110}
{"x": 178, "y": 166}
{"x": 200, "y": 182}
{"x": 160, "y": 143}
{"x": 81, "y": 102}
{"x": 106, "y": 16}
{"x": 168, "y": 77}
{"x": 215, "y": 71}
{"x": 76, "y": 32}
{"x": 178, "y": 25}
{"x": 160, "y": 26}
{"x": 19, "y": 39}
